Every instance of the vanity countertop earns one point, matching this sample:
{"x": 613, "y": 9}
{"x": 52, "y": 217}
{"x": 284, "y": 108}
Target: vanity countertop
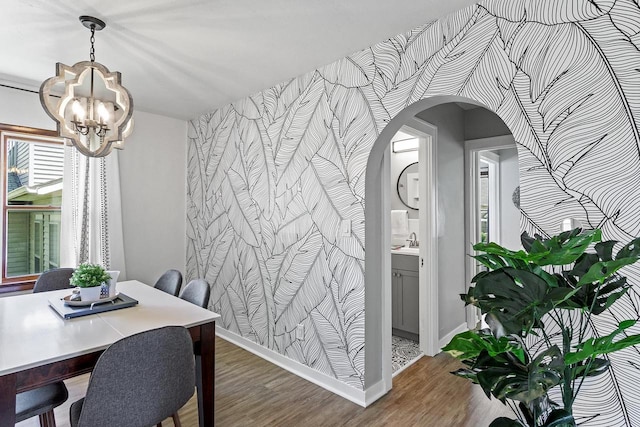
{"x": 405, "y": 251}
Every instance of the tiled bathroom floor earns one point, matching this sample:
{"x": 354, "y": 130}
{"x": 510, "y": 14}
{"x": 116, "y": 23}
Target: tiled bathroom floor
{"x": 403, "y": 351}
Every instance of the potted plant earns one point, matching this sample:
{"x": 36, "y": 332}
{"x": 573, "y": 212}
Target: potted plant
{"x": 89, "y": 278}
{"x": 539, "y": 304}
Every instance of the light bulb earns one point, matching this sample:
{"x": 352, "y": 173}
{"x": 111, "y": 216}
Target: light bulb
{"x": 78, "y": 111}
{"x": 103, "y": 113}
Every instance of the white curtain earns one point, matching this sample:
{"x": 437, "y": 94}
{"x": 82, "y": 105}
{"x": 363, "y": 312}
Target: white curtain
{"x": 91, "y": 228}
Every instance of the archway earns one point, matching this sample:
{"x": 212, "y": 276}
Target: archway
{"x": 378, "y": 271}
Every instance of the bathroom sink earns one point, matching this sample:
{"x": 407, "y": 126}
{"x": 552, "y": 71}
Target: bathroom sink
{"x": 405, "y": 251}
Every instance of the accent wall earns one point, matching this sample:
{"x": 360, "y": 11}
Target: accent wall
{"x": 272, "y": 177}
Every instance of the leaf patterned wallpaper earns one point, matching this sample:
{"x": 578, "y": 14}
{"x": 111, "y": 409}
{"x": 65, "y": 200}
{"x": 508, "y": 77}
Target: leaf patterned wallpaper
{"x": 270, "y": 177}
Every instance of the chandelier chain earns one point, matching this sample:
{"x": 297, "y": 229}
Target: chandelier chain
{"x": 92, "y": 52}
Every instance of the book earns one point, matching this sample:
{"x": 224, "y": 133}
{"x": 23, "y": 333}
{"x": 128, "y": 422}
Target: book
{"x": 68, "y": 312}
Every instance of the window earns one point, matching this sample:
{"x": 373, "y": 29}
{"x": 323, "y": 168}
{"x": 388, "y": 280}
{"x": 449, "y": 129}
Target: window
{"x": 32, "y": 174}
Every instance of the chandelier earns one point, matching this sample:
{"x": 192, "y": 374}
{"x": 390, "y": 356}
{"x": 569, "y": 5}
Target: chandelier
{"x": 88, "y": 103}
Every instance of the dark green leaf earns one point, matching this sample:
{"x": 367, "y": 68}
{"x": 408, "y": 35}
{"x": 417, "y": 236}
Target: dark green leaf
{"x": 505, "y": 422}
{"x": 559, "y": 418}
{"x": 492, "y": 262}
{"x": 583, "y": 264}
{"x": 605, "y": 250}
{"x": 603, "y": 345}
{"x": 516, "y": 297}
{"x": 591, "y": 368}
{"x": 630, "y": 250}
{"x": 602, "y": 270}
{"x": 466, "y": 373}
{"x": 567, "y": 247}
{"x": 468, "y": 345}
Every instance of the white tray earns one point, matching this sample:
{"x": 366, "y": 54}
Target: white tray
{"x": 79, "y": 303}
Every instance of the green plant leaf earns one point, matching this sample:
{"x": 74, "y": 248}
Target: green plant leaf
{"x": 567, "y": 247}
{"x": 517, "y": 298}
{"x": 466, "y": 373}
{"x": 603, "y": 345}
{"x": 543, "y": 373}
{"x": 583, "y": 264}
{"x": 630, "y": 250}
{"x": 591, "y": 368}
{"x": 605, "y": 295}
{"x": 559, "y": 418}
{"x": 505, "y": 377}
{"x": 89, "y": 275}
{"x": 605, "y": 249}
{"x": 602, "y": 270}
{"x": 468, "y": 345}
{"x": 490, "y": 261}
{"x": 505, "y": 422}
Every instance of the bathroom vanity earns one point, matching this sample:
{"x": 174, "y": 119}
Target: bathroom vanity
{"x": 405, "y": 314}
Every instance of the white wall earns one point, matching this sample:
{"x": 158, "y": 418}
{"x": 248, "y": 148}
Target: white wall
{"x": 22, "y": 108}
{"x": 152, "y": 180}
{"x": 152, "y": 172}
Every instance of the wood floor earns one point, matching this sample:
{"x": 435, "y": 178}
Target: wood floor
{"x": 253, "y": 392}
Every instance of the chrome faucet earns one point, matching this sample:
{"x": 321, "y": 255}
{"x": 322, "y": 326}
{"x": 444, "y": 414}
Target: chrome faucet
{"x": 413, "y": 240}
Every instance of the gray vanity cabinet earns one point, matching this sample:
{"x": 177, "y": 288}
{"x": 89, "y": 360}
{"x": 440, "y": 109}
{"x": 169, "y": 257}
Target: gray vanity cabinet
{"x": 404, "y": 296}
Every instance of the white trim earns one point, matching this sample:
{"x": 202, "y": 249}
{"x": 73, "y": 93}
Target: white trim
{"x": 428, "y": 258}
{"x": 373, "y": 393}
{"x": 492, "y": 161}
{"x": 472, "y": 235}
{"x": 386, "y": 294}
{"x": 359, "y": 397}
{"x": 447, "y": 338}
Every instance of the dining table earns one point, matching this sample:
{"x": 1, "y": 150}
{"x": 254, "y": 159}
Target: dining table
{"x": 38, "y": 346}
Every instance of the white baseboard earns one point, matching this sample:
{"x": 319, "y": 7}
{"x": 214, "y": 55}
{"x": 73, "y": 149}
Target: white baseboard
{"x": 374, "y": 393}
{"x": 359, "y": 397}
{"x": 445, "y": 340}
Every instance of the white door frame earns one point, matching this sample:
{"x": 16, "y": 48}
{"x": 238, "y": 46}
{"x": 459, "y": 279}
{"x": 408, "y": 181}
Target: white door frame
{"x": 428, "y": 256}
{"x": 492, "y": 160}
{"x": 472, "y": 149}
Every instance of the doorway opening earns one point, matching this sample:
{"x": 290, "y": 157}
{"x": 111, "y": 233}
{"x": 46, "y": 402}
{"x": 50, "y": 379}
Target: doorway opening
{"x": 492, "y": 189}
{"x": 413, "y": 191}
{"x": 445, "y": 253}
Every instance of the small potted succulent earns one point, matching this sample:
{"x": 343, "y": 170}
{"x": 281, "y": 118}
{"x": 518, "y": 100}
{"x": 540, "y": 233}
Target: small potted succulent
{"x": 89, "y": 278}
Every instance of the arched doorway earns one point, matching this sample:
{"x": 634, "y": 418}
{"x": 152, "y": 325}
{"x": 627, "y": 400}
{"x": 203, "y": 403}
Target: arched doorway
{"x": 378, "y": 271}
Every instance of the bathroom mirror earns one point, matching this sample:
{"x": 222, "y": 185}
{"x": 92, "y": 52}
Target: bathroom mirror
{"x": 408, "y": 186}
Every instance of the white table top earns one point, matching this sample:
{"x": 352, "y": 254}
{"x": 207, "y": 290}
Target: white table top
{"x": 33, "y": 334}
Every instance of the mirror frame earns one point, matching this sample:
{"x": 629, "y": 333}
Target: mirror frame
{"x": 402, "y": 175}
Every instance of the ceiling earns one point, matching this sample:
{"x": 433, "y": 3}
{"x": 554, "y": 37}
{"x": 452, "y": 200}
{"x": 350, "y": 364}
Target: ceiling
{"x": 182, "y": 58}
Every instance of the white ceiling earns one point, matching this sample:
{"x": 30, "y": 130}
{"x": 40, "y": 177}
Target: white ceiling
{"x": 181, "y": 58}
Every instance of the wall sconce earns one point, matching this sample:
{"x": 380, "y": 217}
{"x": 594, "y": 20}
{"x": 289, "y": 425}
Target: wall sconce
{"x": 405, "y": 145}
{"x": 88, "y": 103}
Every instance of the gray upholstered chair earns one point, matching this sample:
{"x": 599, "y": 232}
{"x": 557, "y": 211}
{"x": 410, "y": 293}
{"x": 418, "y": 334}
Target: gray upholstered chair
{"x": 197, "y": 292}
{"x": 42, "y": 400}
{"x": 170, "y": 282}
{"x": 53, "y": 280}
{"x": 139, "y": 381}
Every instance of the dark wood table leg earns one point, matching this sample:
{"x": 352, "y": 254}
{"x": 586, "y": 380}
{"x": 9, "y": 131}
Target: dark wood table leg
{"x": 199, "y": 387}
{"x": 207, "y": 373}
{"x": 8, "y": 386}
